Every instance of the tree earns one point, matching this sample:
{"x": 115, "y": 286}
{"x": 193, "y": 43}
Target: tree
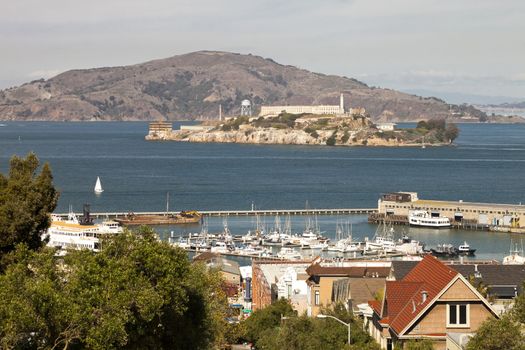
{"x": 268, "y": 330}
{"x": 137, "y": 293}
{"x": 26, "y": 200}
{"x": 451, "y": 132}
{"x": 423, "y": 344}
{"x": 494, "y": 334}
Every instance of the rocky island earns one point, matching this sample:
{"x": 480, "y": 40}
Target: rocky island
{"x": 308, "y": 129}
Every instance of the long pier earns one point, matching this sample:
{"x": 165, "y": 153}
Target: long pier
{"x": 266, "y": 212}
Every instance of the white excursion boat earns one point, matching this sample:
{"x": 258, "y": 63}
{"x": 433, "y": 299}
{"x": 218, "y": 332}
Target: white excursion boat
{"x": 98, "y": 186}
{"x": 75, "y": 234}
{"x": 424, "y": 219}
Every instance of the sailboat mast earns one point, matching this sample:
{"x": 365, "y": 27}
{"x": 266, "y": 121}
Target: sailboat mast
{"x": 167, "y": 202}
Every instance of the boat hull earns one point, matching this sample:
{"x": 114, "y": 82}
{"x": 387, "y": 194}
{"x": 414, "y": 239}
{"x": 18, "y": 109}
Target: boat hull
{"x": 137, "y": 220}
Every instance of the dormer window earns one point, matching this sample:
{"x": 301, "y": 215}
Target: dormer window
{"x": 458, "y": 315}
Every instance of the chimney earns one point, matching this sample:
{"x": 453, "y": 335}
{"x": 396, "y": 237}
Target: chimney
{"x": 342, "y": 104}
{"x": 424, "y": 296}
{"x": 477, "y": 274}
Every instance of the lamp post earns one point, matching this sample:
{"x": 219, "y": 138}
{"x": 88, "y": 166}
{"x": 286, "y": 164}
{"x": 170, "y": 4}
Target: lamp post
{"x": 338, "y": 320}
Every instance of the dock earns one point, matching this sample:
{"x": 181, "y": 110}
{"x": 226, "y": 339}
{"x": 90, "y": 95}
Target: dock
{"x": 394, "y": 208}
{"x": 219, "y": 213}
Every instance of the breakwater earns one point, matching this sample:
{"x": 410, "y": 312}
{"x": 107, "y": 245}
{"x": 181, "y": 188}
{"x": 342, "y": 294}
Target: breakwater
{"x": 266, "y": 212}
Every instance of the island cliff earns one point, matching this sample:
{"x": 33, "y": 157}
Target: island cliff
{"x": 290, "y": 129}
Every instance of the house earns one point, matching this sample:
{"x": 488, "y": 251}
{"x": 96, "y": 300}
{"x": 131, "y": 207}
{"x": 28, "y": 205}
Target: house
{"x": 272, "y": 280}
{"x": 351, "y": 283}
{"x": 427, "y": 303}
{"x": 229, "y": 269}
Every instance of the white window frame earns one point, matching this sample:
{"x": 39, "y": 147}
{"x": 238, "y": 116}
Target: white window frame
{"x": 458, "y": 325}
{"x": 317, "y": 298}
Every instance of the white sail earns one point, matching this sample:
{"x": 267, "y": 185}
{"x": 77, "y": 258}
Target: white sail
{"x": 98, "y": 186}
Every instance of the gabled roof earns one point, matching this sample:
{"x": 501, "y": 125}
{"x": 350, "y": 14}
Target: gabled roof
{"x": 404, "y": 299}
{"x": 397, "y": 294}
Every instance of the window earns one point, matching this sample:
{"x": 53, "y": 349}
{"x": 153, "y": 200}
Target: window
{"x": 458, "y": 315}
{"x": 316, "y": 302}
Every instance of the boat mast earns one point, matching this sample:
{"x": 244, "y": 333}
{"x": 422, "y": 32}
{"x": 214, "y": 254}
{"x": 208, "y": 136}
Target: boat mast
{"x": 167, "y": 202}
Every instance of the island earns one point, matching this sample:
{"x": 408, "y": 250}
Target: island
{"x": 308, "y": 129}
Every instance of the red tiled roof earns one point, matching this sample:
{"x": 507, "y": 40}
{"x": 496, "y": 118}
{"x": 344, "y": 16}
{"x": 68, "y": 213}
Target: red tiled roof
{"x": 397, "y": 294}
{"x": 404, "y": 299}
{"x": 384, "y": 320}
{"x": 375, "y": 305}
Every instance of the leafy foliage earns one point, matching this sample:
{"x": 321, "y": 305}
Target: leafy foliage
{"x": 268, "y": 330}
{"x": 26, "y": 199}
{"x": 137, "y": 293}
{"x": 500, "y": 334}
{"x": 423, "y": 344}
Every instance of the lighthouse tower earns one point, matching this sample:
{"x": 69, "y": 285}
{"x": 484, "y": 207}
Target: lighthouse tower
{"x": 342, "y": 104}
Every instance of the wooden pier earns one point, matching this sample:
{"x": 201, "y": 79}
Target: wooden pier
{"x": 212, "y": 213}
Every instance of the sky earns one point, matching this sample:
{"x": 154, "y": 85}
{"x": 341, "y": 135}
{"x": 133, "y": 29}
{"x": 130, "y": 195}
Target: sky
{"x": 448, "y": 48}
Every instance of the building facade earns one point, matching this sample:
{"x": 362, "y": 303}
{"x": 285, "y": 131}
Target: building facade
{"x": 431, "y": 301}
{"x": 495, "y": 216}
{"x": 318, "y": 109}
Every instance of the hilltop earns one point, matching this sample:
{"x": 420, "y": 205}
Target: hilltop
{"x": 191, "y": 86}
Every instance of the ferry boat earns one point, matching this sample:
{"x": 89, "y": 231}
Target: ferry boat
{"x": 424, "y": 219}
{"x": 78, "y": 234}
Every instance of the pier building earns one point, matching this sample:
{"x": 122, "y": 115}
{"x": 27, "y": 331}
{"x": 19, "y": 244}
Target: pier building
{"x": 492, "y": 216}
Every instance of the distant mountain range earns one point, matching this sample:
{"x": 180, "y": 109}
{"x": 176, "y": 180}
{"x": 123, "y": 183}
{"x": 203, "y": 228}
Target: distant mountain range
{"x": 192, "y": 86}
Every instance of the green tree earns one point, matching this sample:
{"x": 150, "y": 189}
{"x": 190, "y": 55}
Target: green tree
{"x": 423, "y": 344}
{"x": 26, "y": 200}
{"x": 269, "y": 331}
{"x": 331, "y": 141}
{"x": 494, "y": 334}
{"x": 137, "y": 293}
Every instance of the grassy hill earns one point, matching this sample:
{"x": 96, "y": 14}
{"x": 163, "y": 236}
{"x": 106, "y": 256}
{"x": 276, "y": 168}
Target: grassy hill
{"x": 193, "y": 85}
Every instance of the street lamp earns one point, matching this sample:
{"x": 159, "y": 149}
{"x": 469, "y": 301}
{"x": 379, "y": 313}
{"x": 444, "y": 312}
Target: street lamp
{"x": 338, "y": 320}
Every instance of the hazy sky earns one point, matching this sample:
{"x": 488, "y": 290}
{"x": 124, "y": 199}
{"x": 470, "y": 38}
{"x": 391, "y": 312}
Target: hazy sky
{"x": 463, "y": 46}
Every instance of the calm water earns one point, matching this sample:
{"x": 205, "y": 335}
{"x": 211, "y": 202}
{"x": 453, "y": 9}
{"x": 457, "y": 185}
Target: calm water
{"x": 488, "y": 165}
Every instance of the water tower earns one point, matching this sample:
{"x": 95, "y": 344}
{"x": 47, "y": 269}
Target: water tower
{"x": 246, "y": 108}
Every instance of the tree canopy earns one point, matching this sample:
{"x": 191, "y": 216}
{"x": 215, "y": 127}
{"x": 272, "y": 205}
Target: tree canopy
{"x": 136, "y": 293}
{"x": 278, "y": 327}
{"x": 26, "y": 200}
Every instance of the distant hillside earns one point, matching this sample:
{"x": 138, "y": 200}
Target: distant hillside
{"x": 193, "y": 85}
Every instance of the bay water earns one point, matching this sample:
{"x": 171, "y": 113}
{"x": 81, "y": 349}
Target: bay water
{"x": 487, "y": 164}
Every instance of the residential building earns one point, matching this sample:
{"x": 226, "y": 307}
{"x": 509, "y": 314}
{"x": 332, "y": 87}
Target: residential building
{"x": 349, "y": 282}
{"x": 229, "y": 269}
{"x": 272, "y": 280}
{"x": 427, "y": 303}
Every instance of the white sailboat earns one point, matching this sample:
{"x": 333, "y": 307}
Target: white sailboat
{"x": 98, "y": 186}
